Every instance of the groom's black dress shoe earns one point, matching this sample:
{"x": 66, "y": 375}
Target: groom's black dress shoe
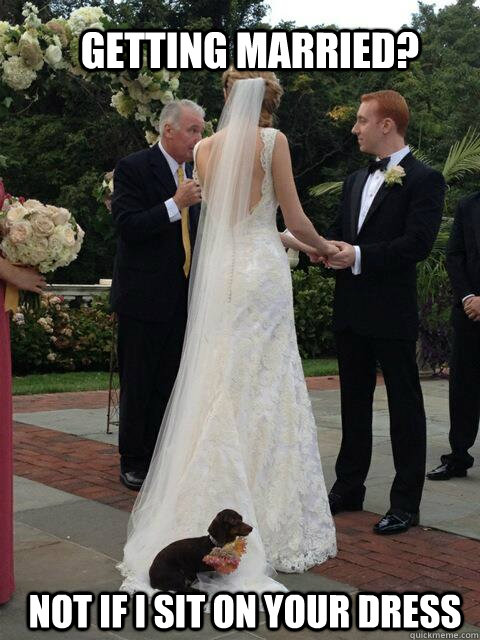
{"x": 132, "y": 479}
{"x": 446, "y": 471}
{"x": 340, "y": 503}
{"x": 396, "y": 522}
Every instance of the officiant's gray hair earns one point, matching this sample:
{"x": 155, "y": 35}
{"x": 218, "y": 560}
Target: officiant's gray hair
{"x": 172, "y": 111}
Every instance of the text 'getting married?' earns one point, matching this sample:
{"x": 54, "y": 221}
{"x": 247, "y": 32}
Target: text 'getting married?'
{"x": 376, "y": 49}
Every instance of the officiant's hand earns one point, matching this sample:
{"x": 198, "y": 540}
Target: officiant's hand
{"x": 472, "y": 308}
{"x": 344, "y": 258}
{"x": 188, "y": 193}
{"x": 25, "y": 278}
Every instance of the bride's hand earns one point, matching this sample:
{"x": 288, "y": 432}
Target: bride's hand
{"x": 327, "y": 250}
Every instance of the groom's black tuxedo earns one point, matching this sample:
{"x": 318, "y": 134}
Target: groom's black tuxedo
{"x": 149, "y": 295}
{"x": 463, "y": 266}
{"x": 375, "y": 320}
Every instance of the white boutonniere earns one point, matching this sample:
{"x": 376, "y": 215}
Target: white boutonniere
{"x": 394, "y": 175}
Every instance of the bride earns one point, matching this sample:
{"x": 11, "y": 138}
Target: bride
{"x": 239, "y": 431}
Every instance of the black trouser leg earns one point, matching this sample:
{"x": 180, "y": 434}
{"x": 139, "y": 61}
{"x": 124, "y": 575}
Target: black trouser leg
{"x": 397, "y": 360}
{"x": 464, "y": 396}
{"x": 148, "y": 359}
{"x": 357, "y": 368}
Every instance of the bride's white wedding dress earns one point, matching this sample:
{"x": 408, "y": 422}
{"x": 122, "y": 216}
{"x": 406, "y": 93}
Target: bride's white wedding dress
{"x": 250, "y": 441}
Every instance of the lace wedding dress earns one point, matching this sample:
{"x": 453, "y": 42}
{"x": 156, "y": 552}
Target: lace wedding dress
{"x": 252, "y": 440}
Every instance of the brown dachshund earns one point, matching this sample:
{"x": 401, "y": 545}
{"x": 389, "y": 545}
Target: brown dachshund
{"x": 176, "y": 566}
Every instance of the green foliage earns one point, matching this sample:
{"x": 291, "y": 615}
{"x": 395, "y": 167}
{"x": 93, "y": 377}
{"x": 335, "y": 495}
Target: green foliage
{"x": 53, "y": 337}
{"x": 435, "y": 301}
{"x": 313, "y": 298}
{"x": 463, "y": 157}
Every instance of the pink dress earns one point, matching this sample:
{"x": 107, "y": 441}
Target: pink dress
{"x": 6, "y": 458}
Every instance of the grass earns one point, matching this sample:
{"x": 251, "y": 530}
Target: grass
{"x": 98, "y": 380}
{"x": 60, "y": 382}
{"x": 321, "y": 367}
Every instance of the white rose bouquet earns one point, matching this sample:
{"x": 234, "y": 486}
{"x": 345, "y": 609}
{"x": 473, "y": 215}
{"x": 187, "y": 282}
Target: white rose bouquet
{"x": 36, "y": 235}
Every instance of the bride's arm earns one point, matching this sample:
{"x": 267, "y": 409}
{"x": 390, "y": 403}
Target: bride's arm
{"x": 290, "y": 242}
{"x": 295, "y": 219}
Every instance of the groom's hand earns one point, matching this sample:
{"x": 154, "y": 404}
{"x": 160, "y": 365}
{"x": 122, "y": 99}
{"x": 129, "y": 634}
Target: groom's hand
{"x": 472, "y": 308}
{"x": 188, "y": 193}
{"x": 344, "y": 258}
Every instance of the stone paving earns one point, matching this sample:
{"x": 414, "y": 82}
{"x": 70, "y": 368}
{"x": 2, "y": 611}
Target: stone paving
{"x": 71, "y": 515}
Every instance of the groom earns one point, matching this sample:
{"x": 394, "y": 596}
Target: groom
{"x": 389, "y": 217}
{"x": 155, "y": 209}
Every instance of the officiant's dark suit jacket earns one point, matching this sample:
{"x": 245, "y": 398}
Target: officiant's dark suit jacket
{"x": 399, "y": 231}
{"x": 463, "y": 258}
{"x": 148, "y": 275}
{"x": 149, "y": 295}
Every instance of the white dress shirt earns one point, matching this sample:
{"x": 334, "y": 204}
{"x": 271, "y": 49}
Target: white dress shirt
{"x": 370, "y": 190}
{"x": 172, "y": 209}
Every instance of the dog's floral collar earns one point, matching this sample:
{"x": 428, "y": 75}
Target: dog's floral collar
{"x": 227, "y": 558}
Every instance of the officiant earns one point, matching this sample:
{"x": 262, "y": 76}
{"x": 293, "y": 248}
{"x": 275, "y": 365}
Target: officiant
{"x": 155, "y": 208}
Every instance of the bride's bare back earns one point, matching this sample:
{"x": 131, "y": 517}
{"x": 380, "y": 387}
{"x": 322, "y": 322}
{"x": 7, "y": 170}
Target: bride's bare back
{"x": 202, "y": 158}
{"x": 284, "y": 185}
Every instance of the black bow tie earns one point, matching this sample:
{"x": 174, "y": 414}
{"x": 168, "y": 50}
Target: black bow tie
{"x": 378, "y": 165}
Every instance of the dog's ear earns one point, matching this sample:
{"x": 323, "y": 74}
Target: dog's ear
{"x": 217, "y": 527}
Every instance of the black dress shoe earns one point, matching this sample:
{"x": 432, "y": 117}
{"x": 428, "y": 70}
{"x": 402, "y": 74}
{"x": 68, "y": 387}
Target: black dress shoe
{"x": 132, "y": 479}
{"x": 340, "y": 503}
{"x": 396, "y": 522}
{"x": 446, "y": 471}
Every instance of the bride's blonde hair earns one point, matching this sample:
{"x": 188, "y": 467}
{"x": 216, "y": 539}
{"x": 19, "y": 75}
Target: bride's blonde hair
{"x": 273, "y": 90}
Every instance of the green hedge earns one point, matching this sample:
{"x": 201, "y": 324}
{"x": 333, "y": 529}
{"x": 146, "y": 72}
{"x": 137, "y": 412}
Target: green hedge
{"x": 313, "y": 300}
{"x": 53, "y": 337}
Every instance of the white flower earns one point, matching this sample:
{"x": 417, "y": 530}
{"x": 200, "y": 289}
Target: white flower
{"x": 16, "y": 74}
{"x": 11, "y": 48}
{"x": 394, "y": 175}
{"x": 30, "y": 51}
{"x": 80, "y": 237}
{"x": 145, "y": 80}
{"x": 18, "y": 318}
{"x": 29, "y": 8}
{"x": 66, "y": 234}
{"x": 16, "y": 212}
{"x": 20, "y": 232}
{"x": 51, "y": 356}
{"x": 45, "y": 324}
{"x": 123, "y": 104}
{"x": 151, "y": 137}
{"x": 30, "y": 11}
{"x": 61, "y": 216}
{"x": 4, "y": 27}
{"x": 85, "y": 18}
{"x": 167, "y": 97}
{"x": 34, "y": 205}
{"x": 53, "y": 55}
{"x": 42, "y": 224}
{"x": 174, "y": 84}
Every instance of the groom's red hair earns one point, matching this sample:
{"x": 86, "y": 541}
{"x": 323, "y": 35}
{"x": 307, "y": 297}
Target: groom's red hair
{"x": 391, "y": 104}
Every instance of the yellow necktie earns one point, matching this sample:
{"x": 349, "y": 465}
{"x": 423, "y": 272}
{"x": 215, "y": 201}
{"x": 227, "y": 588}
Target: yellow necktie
{"x": 185, "y": 232}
